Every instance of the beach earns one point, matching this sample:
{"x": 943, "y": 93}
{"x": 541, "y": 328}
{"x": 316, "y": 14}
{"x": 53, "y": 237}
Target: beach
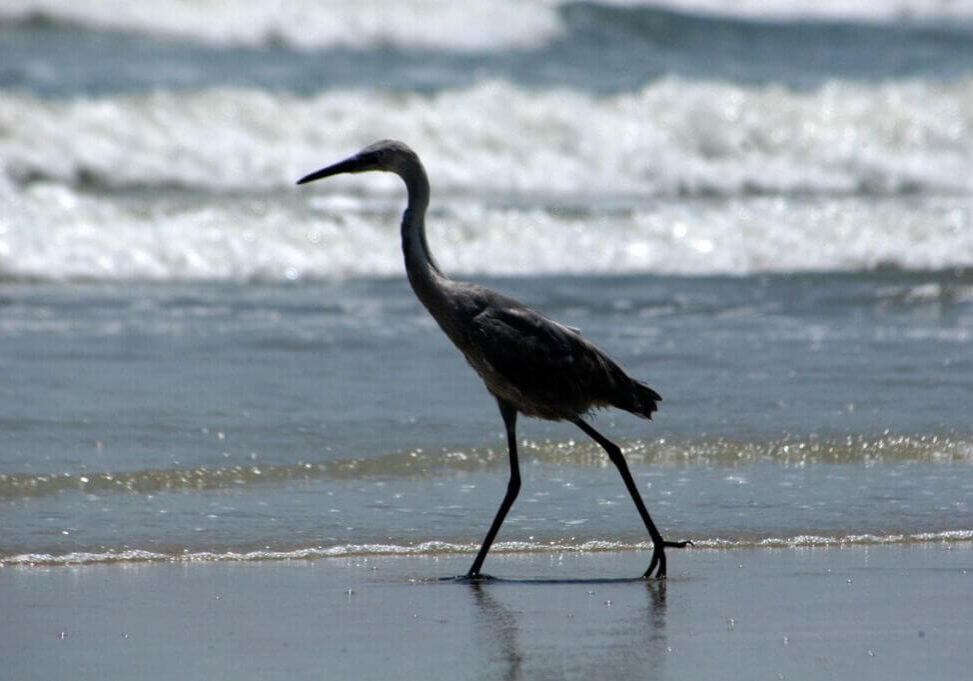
{"x": 233, "y": 443}
{"x": 873, "y": 612}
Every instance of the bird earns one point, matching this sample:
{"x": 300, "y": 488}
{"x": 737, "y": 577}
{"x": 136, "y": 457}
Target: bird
{"x": 530, "y": 364}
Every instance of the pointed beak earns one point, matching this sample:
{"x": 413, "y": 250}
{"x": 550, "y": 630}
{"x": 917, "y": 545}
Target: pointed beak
{"x": 355, "y": 164}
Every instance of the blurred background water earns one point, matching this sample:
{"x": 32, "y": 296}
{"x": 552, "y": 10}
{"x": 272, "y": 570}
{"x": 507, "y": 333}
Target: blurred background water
{"x": 763, "y": 210}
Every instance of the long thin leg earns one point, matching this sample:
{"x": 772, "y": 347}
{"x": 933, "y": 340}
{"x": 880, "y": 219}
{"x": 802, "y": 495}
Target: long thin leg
{"x": 509, "y": 415}
{"x": 658, "y": 543}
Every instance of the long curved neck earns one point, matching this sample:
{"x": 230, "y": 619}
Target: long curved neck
{"x": 424, "y": 274}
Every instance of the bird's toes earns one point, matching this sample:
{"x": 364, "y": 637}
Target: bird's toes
{"x": 658, "y": 560}
{"x": 660, "y": 573}
{"x": 471, "y": 578}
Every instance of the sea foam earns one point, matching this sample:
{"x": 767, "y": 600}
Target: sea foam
{"x": 674, "y": 137}
{"x": 458, "y": 26}
{"x": 440, "y": 548}
{"x": 59, "y": 234}
{"x": 681, "y": 177}
{"x": 308, "y": 24}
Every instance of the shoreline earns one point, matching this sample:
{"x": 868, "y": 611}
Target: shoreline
{"x": 445, "y": 549}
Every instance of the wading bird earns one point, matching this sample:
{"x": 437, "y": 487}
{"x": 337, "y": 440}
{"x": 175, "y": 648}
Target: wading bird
{"x": 530, "y": 364}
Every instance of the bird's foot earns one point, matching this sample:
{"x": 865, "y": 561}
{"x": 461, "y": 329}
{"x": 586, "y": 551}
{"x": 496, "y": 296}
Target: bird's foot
{"x": 658, "y": 563}
{"x": 470, "y": 578}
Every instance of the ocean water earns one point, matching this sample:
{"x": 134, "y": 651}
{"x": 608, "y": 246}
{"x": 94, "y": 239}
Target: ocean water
{"x": 765, "y": 212}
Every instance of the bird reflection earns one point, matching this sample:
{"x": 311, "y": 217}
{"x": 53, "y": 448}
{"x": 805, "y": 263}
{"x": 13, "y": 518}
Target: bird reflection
{"x": 500, "y": 631}
{"x": 516, "y": 641}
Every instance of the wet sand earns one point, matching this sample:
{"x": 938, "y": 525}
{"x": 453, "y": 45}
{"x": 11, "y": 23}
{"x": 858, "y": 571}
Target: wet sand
{"x": 878, "y": 612}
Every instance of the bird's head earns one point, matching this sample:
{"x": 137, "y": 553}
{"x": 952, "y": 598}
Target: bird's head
{"x": 388, "y": 155}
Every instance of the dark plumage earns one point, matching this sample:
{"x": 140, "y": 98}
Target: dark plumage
{"x": 541, "y": 367}
{"x": 530, "y": 364}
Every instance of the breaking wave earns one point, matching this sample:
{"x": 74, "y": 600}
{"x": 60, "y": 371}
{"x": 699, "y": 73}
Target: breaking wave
{"x": 458, "y": 26}
{"x": 672, "y": 138}
{"x": 437, "y": 548}
{"x": 680, "y": 177}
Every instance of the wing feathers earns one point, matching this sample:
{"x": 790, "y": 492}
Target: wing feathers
{"x": 547, "y": 369}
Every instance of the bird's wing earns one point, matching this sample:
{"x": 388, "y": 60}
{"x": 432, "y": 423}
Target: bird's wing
{"x": 546, "y": 362}
{"x": 512, "y": 336}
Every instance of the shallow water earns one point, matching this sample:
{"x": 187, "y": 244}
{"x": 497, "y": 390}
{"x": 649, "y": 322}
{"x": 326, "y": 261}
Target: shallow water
{"x": 331, "y": 418}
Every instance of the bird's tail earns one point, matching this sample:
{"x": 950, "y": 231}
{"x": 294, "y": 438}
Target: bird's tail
{"x": 624, "y": 392}
{"x": 636, "y": 397}
{"x": 645, "y": 400}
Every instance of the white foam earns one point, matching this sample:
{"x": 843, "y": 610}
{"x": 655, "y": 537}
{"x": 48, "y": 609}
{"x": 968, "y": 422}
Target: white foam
{"x": 54, "y": 232}
{"x": 680, "y": 177}
{"x": 307, "y": 24}
{"x": 435, "y": 548}
{"x": 673, "y": 137}
{"x": 460, "y": 26}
